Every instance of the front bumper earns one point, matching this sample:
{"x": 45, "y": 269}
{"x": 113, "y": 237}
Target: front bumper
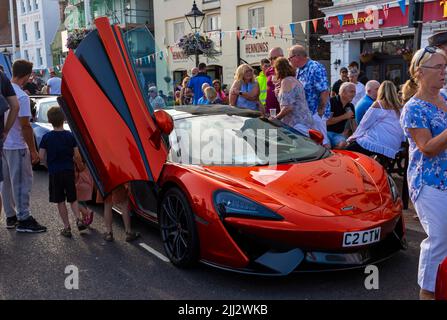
{"x": 276, "y": 259}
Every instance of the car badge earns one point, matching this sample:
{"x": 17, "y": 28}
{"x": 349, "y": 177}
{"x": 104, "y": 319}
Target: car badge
{"x": 348, "y": 208}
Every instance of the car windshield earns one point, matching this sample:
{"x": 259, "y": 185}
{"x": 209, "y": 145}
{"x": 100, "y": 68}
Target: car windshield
{"x": 151, "y": 69}
{"x": 233, "y": 140}
{"x": 43, "y": 109}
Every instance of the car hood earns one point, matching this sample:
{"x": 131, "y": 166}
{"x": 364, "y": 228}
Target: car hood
{"x": 334, "y": 186}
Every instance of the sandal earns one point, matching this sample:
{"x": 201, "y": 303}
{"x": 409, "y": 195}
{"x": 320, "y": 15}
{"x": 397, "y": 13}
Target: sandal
{"x": 131, "y": 236}
{"x": 80, "y": 224}
{"x": 88, "y": 219}
{"x": 108, "y": 236}
{"x": 66, "y": 232}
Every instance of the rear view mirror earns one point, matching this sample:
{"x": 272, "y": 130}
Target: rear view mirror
{"x": 164, "y": 121}
{"x": 316, "y": 136}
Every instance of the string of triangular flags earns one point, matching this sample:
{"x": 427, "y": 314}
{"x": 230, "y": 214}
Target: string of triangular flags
{"x": 57, "y": 68}
{"x": 162, "y": 54}
{"x": 276, "y": 31}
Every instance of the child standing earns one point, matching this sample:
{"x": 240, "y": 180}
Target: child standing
{"x": 57, "y": 149}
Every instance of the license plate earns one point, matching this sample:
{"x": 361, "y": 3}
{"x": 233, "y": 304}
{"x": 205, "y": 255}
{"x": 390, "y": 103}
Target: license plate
{"x": 360, "y": 238}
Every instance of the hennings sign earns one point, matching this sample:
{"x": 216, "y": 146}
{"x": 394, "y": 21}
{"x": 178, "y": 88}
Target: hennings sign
{"x": 253, "y": 48}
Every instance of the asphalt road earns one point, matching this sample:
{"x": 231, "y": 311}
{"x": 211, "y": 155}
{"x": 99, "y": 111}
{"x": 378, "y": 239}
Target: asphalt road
{"x": 32, "y": 266}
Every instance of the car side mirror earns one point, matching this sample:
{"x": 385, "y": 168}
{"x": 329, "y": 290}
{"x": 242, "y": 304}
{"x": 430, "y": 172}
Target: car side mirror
{"x": 316, "y": 136}
{"x": 164, "y": 121}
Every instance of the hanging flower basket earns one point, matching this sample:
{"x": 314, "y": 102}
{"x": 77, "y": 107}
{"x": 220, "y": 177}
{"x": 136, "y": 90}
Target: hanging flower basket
{"x": 408, "y": 57}
{"x": 366, "y": 57}
{"x": 193, "y": 44}
{"x": 406, "y": 53}
{"x": 75, "y": 37}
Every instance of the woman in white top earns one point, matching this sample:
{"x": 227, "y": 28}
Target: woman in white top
{"x": 380, "y": 132}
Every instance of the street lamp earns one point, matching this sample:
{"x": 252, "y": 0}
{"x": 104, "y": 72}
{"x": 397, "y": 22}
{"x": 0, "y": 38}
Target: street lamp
{"x": 195, "y": 19}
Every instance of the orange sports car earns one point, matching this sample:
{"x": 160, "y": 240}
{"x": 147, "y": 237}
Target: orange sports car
{"x": 226, "y": 186}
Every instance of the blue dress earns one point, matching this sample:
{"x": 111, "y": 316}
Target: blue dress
{"x": 423, "y": 170}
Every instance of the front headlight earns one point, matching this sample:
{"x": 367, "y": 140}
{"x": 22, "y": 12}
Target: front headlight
{"x": 231, "y": 204}
{"x": 393, "y": 188}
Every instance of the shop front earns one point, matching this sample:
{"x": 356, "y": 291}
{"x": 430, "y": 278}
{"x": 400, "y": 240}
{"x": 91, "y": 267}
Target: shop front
{"x": 379, "y": 39}
{"x": 386, "y": 59}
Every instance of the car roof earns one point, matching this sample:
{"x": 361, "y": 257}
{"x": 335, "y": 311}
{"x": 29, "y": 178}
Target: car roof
{"x": 44, "y": 99}
{"x": 181, "y": 112}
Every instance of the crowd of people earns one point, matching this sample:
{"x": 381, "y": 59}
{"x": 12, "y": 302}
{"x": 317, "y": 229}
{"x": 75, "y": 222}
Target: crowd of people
{"x": 359, "y": 115}
{"x": 69, "y": 178}
{"x": 356, "y": 114}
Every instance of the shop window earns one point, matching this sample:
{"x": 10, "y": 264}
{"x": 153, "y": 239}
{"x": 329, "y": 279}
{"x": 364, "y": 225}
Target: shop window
{"x": 388, "y": 47}
{"x": 394, "y": 73}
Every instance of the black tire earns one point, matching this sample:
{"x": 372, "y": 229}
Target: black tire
{"x": 178, "y": 229}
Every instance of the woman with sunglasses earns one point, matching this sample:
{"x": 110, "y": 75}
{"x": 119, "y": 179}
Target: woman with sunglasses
{"x": 424, "y": 120}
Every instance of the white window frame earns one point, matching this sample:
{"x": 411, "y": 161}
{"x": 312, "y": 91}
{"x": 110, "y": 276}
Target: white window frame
{"x": 28, "y": 5}
{"x": 218, "y": 21}
{"x": 176, "y": 30}
{"x": 22, "y": 6}
{"x": 39, "y": 58}
{"x": 254, "y": 20}
{"x": 37, "y": 32}
{"x": 26, "y": 54}
{"x": 24, "y": 32}
{"x": 36, "y": 4}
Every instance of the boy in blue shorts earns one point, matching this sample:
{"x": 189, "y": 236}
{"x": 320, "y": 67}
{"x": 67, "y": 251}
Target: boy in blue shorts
{"x": 58, "y": 147}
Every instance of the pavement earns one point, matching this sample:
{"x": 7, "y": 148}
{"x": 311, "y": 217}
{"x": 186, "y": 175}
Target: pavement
{"x": 34, "y": 266}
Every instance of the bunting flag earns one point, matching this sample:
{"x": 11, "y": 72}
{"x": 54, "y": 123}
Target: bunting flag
{"x": 341, "y": 17}
{"x": 171, "y": 49}
{"x": 253, "y": 32}
{"x": 355, "y": 16}
{"x": 281, "y": 29}
{"x": 161, "y": 55}
{"x": 272, "y": 30}
{"x": 386, "y": 8}
{"x": 304, "y": 26}
{"x": 222, "y": 35}
{"x": 402, "y": 6}
{"x": 292, "y": 29}
{"x": 315, "y": 24}
{"x": 326, "y": 22}
{"x": 264, "y": 33}
{"x": 238, "y": 33}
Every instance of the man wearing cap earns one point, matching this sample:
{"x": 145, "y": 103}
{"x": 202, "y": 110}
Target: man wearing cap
{"x": 343, "y": 78}
{"x": 439, "y": 40}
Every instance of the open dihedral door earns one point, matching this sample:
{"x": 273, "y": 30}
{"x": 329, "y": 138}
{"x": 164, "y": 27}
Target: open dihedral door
{"x": 114, "y": 127}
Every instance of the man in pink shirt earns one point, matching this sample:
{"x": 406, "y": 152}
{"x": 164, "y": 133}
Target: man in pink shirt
{"x": 272, "y": 101}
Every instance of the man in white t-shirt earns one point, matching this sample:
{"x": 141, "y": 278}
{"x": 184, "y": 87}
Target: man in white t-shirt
{"x": 360, "y": 91}
{"x": 19, "y": 153}
{"x": 54, "y": 84}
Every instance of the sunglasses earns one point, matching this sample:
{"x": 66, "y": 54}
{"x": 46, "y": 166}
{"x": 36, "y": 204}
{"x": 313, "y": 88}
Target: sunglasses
{"x": 291, "y": 57}
{"x": 429, "y": 49}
